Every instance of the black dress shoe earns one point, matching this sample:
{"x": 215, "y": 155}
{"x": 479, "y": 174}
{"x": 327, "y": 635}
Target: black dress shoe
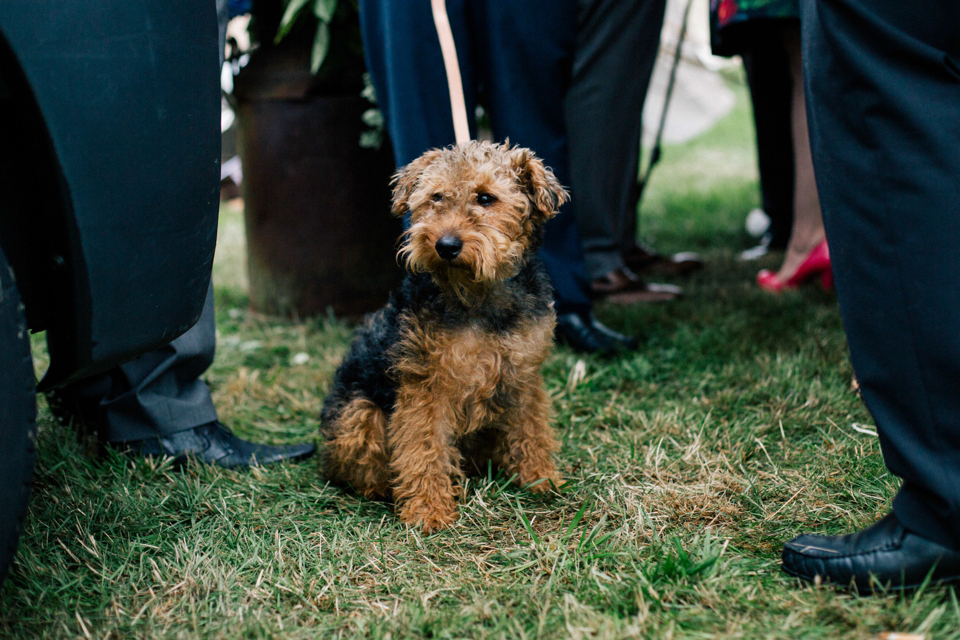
{"x": 884, "y": 556}
{"x": 582, "y": 332}
{"x": 213, "y": 443}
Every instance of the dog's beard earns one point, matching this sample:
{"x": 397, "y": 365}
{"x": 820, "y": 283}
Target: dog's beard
{"x": 485, "y": 260}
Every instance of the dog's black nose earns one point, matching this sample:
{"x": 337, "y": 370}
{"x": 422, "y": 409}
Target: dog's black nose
{"x": 449, "y": 246}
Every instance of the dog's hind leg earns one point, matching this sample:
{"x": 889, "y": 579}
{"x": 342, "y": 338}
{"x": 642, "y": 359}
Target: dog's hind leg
{"x": 356, "y": 451}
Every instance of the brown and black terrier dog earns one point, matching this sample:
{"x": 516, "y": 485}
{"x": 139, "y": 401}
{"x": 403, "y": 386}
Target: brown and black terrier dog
{"x": 447, "y": 374}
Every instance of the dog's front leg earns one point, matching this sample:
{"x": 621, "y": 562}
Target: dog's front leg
{"x": 527, "y": 441}
{"x": 424, "y": 461}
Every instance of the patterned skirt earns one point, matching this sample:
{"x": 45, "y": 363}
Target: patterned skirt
{"x": 732, "y": 20}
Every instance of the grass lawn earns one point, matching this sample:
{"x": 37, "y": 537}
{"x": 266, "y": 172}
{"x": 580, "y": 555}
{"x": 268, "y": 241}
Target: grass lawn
{"x": 733, "y": 428}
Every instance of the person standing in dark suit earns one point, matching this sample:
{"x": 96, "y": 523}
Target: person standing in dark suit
{"x": 515, "y": 59}
{"x": 883, "y": 90}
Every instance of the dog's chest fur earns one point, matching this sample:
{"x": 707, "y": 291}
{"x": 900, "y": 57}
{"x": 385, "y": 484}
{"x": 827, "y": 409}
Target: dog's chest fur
{"x": 473, "y": 361}
{"x": 478, "y": 359}
{"x": 479, "y": 373}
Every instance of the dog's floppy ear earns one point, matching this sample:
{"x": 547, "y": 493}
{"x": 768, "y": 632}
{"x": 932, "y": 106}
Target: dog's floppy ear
{"x": 405, "y": 180}
{"x": 542, "y": 187}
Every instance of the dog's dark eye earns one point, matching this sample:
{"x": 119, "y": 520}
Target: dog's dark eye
{"x": 485, "y": 199}
{"x": 437, "y": 197}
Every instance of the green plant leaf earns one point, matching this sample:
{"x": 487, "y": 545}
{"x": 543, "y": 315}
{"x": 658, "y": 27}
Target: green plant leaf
{"x": 321, "y": 45}
{"x": 503, "y": 487}
{"x": 324, "y": 9}
{"x": 527, "y": 525}
{"x": 574, "y": 522}
{"x": 591, "y": 541}
{"x": 290, "y": 15}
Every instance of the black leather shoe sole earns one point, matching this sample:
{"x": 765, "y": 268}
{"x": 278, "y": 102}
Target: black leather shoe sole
{"x": 213, "y": 443}
{"x": 884, "y": 557}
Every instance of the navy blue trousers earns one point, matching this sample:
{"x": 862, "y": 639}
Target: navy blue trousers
{"x": 883, "y": 92}
{"x": 515, "y": 59}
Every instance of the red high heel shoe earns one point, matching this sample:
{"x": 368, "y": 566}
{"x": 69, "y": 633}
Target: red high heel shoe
{"x": 817, "y": 263}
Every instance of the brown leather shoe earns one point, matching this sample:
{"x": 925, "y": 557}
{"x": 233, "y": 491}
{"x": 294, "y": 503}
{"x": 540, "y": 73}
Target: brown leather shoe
{"x": 623, "y": 286}
{"x": 645, "y": 260}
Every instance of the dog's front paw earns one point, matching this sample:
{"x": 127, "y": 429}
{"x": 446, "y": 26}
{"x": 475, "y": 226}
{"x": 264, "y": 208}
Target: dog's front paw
{"x": 428, "y": 516}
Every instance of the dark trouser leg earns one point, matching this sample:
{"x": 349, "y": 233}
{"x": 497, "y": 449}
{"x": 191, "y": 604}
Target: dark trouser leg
{"x": 158, "y": 400}
{"x": 768, "y": 75}
{"x": 617, "y": 43}
{"x": 520, "y": 52}
{"x": 403, "y": 56}
{"x": 884, "y": 110}
{"x": 160, "y": 392}
{"x": 524, "y": 63}
{"x": 157, "y": 394}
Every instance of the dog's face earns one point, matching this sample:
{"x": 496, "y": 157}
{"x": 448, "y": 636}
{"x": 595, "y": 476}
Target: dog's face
{"x": 477, "y": 212}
